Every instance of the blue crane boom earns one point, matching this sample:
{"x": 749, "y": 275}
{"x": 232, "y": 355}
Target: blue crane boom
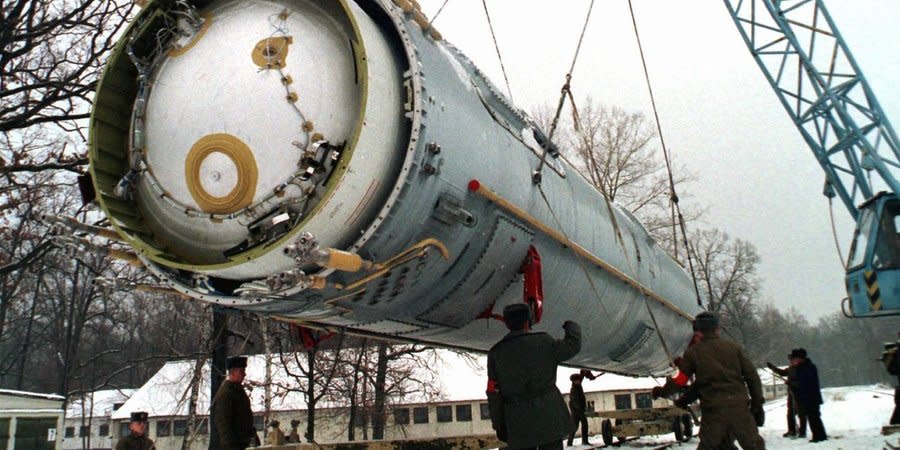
{"x": 812, "y": 71}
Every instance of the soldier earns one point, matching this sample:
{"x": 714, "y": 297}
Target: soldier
{"x": 722, "y": 376}
{"x": 891, "y": 359}
{"x": 276, "y": 436}
{"x": 137, "y": 438}
{"x": 809, "y": 394}
{"x": 231, "y": 408}
{"x": 790, "y": 373}
{"x": 294, "y": 436}
{"x": 527, "y": 409}
{"x": 578, "y": 406}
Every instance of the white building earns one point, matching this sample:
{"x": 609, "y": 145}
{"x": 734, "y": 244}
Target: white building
{"x": 88, "y": 423}
{"x": 29, "y": 421}
{"x": 461, "y": 410}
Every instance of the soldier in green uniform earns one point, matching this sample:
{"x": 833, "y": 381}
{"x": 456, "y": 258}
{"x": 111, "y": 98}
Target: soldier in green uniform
{"x": 137, "y": 438}
{"x": 722, "y": 377}
{"x": 527, "y": 409}
{"x": 231, "y": 408}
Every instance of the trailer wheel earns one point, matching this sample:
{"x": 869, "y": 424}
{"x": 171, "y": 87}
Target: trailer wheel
{"x": 606, "y": 431}
{"x": 687, "y": 425}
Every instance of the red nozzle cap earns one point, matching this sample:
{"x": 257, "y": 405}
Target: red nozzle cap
{"x": 474, "y": 185}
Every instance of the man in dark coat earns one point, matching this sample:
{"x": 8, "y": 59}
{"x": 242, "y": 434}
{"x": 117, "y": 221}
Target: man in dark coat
{"x": 790, "y": 374}
{"x": 231, "y": 408}
{"x": 527, "y": 409}
{"x": 723, "y": 375}
{"x": 809, "y": 394}
{"x": 137, "y": 438}
{"x": 891, "y": 359}
{"x": 578, "y": 405}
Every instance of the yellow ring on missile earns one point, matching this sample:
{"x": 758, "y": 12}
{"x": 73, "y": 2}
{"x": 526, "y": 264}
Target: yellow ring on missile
{"x": 271, "y": 52}
{"x": 240, "y": 154}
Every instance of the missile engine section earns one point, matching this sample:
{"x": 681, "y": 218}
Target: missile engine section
{"x": 336, "y": 163}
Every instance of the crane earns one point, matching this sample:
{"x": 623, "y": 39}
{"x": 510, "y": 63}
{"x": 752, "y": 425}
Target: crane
{"x": 815, "y": 76}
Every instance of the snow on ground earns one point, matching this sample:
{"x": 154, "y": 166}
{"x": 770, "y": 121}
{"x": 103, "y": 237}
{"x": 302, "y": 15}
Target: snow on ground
{"x": 853, "y": 417}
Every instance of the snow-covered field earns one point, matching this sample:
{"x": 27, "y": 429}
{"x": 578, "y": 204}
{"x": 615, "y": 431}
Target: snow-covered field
{"x": 853, "y": 418}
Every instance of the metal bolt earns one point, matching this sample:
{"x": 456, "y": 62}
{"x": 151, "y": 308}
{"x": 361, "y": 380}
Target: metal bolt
{"x": 433, "y": 147}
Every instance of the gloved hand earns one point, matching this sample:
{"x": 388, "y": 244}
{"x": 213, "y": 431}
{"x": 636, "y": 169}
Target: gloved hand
{"x": 656, "y": 392}
{"x": 758, "y": 415}
{"x": 569, "y": 324}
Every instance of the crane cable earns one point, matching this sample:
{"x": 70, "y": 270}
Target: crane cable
{"x": 837, "y": 245}
{"x": 565, "y": 92}
{"x": 497, "y": 48}
{"x": 673, "y": 197}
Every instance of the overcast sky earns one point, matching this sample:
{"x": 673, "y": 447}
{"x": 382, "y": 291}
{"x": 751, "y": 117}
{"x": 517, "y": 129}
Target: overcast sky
{"x": 755, "y": 176}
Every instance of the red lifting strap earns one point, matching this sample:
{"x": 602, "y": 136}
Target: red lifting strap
{"x": 534, "y": 287}
{"x": 308, "y": 337}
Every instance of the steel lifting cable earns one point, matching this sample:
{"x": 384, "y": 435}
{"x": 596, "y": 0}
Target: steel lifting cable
{"x": 565, "y": 92}
{"x": 673, "y": 197}
{"x": 834, "y": 235}
{"x": 497, "y": 48}
{"x": 577, "y": 256}
{"x": 435, "y": 16}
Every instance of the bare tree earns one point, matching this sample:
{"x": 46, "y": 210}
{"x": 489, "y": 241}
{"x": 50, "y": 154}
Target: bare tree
{"x": 726, "y": 270}
{"x": 615, "y": 151}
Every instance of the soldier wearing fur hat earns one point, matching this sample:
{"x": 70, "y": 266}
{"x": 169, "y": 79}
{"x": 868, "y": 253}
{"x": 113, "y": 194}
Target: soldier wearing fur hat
{"x": 723, "y": 375}
{"x": 527, "y": 409}
{"x": 231, "y": 408}
{"x": 137, "y": 438}
{"x": 578, "y": 405}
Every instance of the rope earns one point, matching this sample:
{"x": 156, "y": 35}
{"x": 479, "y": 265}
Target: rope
{"x": 497, "y": 48}
{"x": 566, "y": 91}
{"x": 433, "y": 18}
{"x": 837, "y": 244}
{"x": 673, "y": 197}
{"x": 577, "y": 257}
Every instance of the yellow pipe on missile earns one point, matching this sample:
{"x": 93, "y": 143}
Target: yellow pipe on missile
{"x": 476, "y": 187}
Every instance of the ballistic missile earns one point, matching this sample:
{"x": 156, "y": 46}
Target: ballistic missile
{"x": 338, "y": 164}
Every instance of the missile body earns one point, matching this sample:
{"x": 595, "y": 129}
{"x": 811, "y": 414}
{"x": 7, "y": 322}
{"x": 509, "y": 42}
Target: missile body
{"x": 336, "y": 163}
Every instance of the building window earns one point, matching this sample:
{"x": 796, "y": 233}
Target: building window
{"x": 485, "y": 411}
{"x": 590, "y": 406}
{"x": 420, "y": 414}
{"x": 623, "y": 401}
{"x": 444, "y": 413}
{"x": 123, "y": 429}
{"x": 84, "y": 431}
{"x": 163, "y": 428}
{"x": 359, "y": 420}
{"x": 643, "y": 400}
{"x": 104, "y": 429}
{"x": 463, "y": 413}
{"x": 180, "y": 428}
{"x": 70, "y": 431}
{"x": 401, "y": 416}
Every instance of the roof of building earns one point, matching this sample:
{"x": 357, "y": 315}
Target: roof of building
{"x": 460, "y": 378}
{"x": 98, "y": 403}
{"x": 15, "y": 393}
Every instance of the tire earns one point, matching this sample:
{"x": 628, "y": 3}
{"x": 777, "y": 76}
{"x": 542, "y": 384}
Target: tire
{"x": 687, "y": 424}
{"x": 606, "y": 431}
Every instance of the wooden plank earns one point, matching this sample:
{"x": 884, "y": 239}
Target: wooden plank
{"x": 477, "y": 442}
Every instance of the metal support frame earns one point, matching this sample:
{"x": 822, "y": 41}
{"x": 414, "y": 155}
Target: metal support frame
{"x": 819, "y": 83}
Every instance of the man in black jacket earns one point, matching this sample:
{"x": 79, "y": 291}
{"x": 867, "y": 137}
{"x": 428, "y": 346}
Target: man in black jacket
{"x": 527, "y": 409}
{"x": 578, "y": 405}
{"x": 790, "y": 374}
{"x": 808, "y": 393}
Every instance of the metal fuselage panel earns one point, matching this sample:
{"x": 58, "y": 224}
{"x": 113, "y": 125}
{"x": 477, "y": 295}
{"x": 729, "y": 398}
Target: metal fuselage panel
{"x": 461, "y": 129}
